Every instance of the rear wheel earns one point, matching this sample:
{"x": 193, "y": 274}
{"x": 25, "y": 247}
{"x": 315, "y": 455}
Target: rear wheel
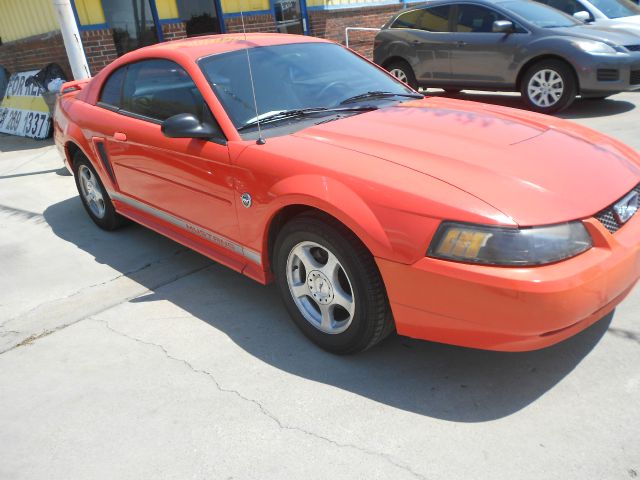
{"x": 549, "y": 86}
{"x": 94, "y": 196}
{"x": 403, "y": 72}
{"x": 331, "y": 285}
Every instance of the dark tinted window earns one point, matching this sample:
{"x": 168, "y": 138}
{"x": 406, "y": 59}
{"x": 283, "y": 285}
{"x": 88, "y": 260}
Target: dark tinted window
{"x": 290, "y": 77}
{"x": 434, "y": 19}
{"x": 112, "y": 90}
{"x": 474, "y": 18}
{"x": 159, "y": 89}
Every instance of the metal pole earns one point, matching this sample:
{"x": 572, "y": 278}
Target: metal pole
{"x": 72, "y": 40}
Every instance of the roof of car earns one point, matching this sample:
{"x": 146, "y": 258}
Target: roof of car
{"x": 197, "y": 47}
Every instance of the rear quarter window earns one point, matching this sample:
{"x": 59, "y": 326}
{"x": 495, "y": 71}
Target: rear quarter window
{"x": 112, "y": 90}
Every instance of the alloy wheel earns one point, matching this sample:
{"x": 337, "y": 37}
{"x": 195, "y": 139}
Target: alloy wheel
{"x": 91, "y": 191}
{"x": 545, "y": 88}
{"x": 399, "y": 74}
{"x": 320, "y": 287}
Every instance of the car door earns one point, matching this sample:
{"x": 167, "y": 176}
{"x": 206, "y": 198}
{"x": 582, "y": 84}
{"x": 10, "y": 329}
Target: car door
{"x": 428, "y": 33}
{"x": 482, "y": 57}
{"x": 185, "y": 181}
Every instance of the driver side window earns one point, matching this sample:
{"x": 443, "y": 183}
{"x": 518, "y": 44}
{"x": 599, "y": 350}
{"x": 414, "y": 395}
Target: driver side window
{"x": 155, "y": 90}
{"x": 159, "y": 89}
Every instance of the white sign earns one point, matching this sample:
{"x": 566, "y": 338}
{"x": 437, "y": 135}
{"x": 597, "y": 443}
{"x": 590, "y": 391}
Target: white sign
{"x": 23, "y": 110}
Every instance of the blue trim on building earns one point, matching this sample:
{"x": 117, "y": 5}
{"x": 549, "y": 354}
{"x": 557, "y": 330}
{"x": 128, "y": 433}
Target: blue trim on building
{"x": 156, "y": 20}
{"x": 347, "y": 6}
{"x": 85, "y": 28}
{"x": 249, "y": 13}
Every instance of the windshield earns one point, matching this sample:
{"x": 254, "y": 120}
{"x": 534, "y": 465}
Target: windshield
{"x": 616, "y": 8}
{"x": 294, "y": 77}
{"x": 541, "y": 15}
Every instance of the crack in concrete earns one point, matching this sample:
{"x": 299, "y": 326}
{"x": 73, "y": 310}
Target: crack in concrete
{"x": 261, "y": 407}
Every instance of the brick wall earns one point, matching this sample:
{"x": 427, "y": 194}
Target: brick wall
{"x": 98, "y": 48}
{"x": 34, "y": 53}
{"x": 331, "y": 24}
{"x": 174, "y": 31}
{"x": 252, "y": 23}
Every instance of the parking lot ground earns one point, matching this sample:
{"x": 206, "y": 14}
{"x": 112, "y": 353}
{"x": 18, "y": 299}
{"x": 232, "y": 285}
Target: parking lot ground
{"x": 126, "y": 356}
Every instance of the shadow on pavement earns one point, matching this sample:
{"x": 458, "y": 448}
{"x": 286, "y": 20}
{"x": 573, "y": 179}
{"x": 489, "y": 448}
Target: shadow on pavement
{"x": 13, "y": 143}
{"x": 436, "y": 380}
{"x": 579, "y": 109}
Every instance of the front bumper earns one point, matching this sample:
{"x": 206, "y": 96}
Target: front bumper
{"x": 514, "y": 309}
{"x": 609, "y": 73}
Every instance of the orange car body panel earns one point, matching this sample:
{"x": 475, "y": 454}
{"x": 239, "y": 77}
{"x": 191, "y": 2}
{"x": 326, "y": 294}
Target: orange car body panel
{"x": 391, "y": 176}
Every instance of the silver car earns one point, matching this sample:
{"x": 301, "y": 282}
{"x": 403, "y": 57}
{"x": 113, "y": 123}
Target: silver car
{"x": 601, "y": 13}
{"x": 509, "y": 45}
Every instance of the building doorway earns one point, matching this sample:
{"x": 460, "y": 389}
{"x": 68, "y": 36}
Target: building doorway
{"x": 291, "y": 16}
{"x": 201, "y": 17}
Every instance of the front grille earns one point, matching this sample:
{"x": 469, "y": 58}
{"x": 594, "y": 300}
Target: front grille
{"x": 607, "y": 217}
{"x": 608, "y": 75}
{"x": 635, "y": 77}
{"x": 633, "y": 48}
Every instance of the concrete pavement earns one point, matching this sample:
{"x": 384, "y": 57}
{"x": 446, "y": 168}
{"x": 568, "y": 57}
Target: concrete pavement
{"x": 127, "y": 356}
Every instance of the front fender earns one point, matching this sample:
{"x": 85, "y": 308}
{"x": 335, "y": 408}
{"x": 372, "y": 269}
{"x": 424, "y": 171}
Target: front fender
{"x": 326, "y": 194}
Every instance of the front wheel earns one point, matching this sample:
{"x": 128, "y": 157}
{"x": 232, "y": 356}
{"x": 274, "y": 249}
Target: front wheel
{"x": 403, "y": 72}
{"x": 549, "y": 86}
{"x": 331, "y": 285}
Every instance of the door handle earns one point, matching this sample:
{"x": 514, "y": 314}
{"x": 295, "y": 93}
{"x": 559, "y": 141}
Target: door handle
{"x": 121, "y": 137}
{"x": 461, "y": 44}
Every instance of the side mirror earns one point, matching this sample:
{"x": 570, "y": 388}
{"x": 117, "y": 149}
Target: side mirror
{"x": 186, "y": 125}
{"x": 583, "y": 16}
{"x": 503, "y": 26}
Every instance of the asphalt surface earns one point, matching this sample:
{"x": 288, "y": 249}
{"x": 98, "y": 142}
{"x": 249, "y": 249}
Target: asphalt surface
{"x": 126, "y": 356}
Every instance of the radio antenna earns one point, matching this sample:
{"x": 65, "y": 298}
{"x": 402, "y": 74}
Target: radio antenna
{"x": 261, "y": 140}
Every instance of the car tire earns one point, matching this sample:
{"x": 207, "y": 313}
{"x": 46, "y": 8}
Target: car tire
{"x": 320, "y": 268}
{"x": 549, "y": 86}
{"x": 403, "y": 72}
{"x": 94, "y": 196}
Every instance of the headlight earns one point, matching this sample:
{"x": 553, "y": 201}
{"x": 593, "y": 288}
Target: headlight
{"x": 593, "y": 46}
{"x": 509, "y": 246}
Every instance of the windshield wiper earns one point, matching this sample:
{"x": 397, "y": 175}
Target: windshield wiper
{"x": 379, "y": 94}
{"x": 301, "y": 112}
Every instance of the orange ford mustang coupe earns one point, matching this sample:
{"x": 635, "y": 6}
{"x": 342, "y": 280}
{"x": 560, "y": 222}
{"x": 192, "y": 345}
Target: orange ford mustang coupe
{"x": 371, "y": 207}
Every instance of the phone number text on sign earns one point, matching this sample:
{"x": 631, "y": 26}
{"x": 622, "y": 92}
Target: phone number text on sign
{"x": 23, "y": 110}
{"x": 24, "y": 122}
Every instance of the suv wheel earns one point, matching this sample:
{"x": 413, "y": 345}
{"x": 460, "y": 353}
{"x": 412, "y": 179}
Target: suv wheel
{"x": 549, "y": 86}
{"x": 403, "y": 72}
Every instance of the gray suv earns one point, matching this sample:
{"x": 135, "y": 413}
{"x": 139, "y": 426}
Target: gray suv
{"x": 509, "y": 45}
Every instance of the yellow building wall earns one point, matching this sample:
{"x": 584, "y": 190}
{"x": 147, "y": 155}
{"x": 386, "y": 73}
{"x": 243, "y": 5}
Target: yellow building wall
{"x": 328, "y": 3}
{"x": 90, "y": 12}
{"x": 236, "y": 6}
{"x": 25, "y": 18}
{"x": 167, "y": 9}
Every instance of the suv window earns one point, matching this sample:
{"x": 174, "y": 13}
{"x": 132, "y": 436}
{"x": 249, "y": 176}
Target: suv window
{"x": 112, "y": 89}
{"x": 159, "y": 89}
{"x": 434, "y": 19}
{"x": 476, "y": 19}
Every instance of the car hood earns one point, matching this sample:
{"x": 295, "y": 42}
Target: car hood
{"x": 630, "y": 24}
{"x": 533, "y": 168}
{"x": 602, "y": 32}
